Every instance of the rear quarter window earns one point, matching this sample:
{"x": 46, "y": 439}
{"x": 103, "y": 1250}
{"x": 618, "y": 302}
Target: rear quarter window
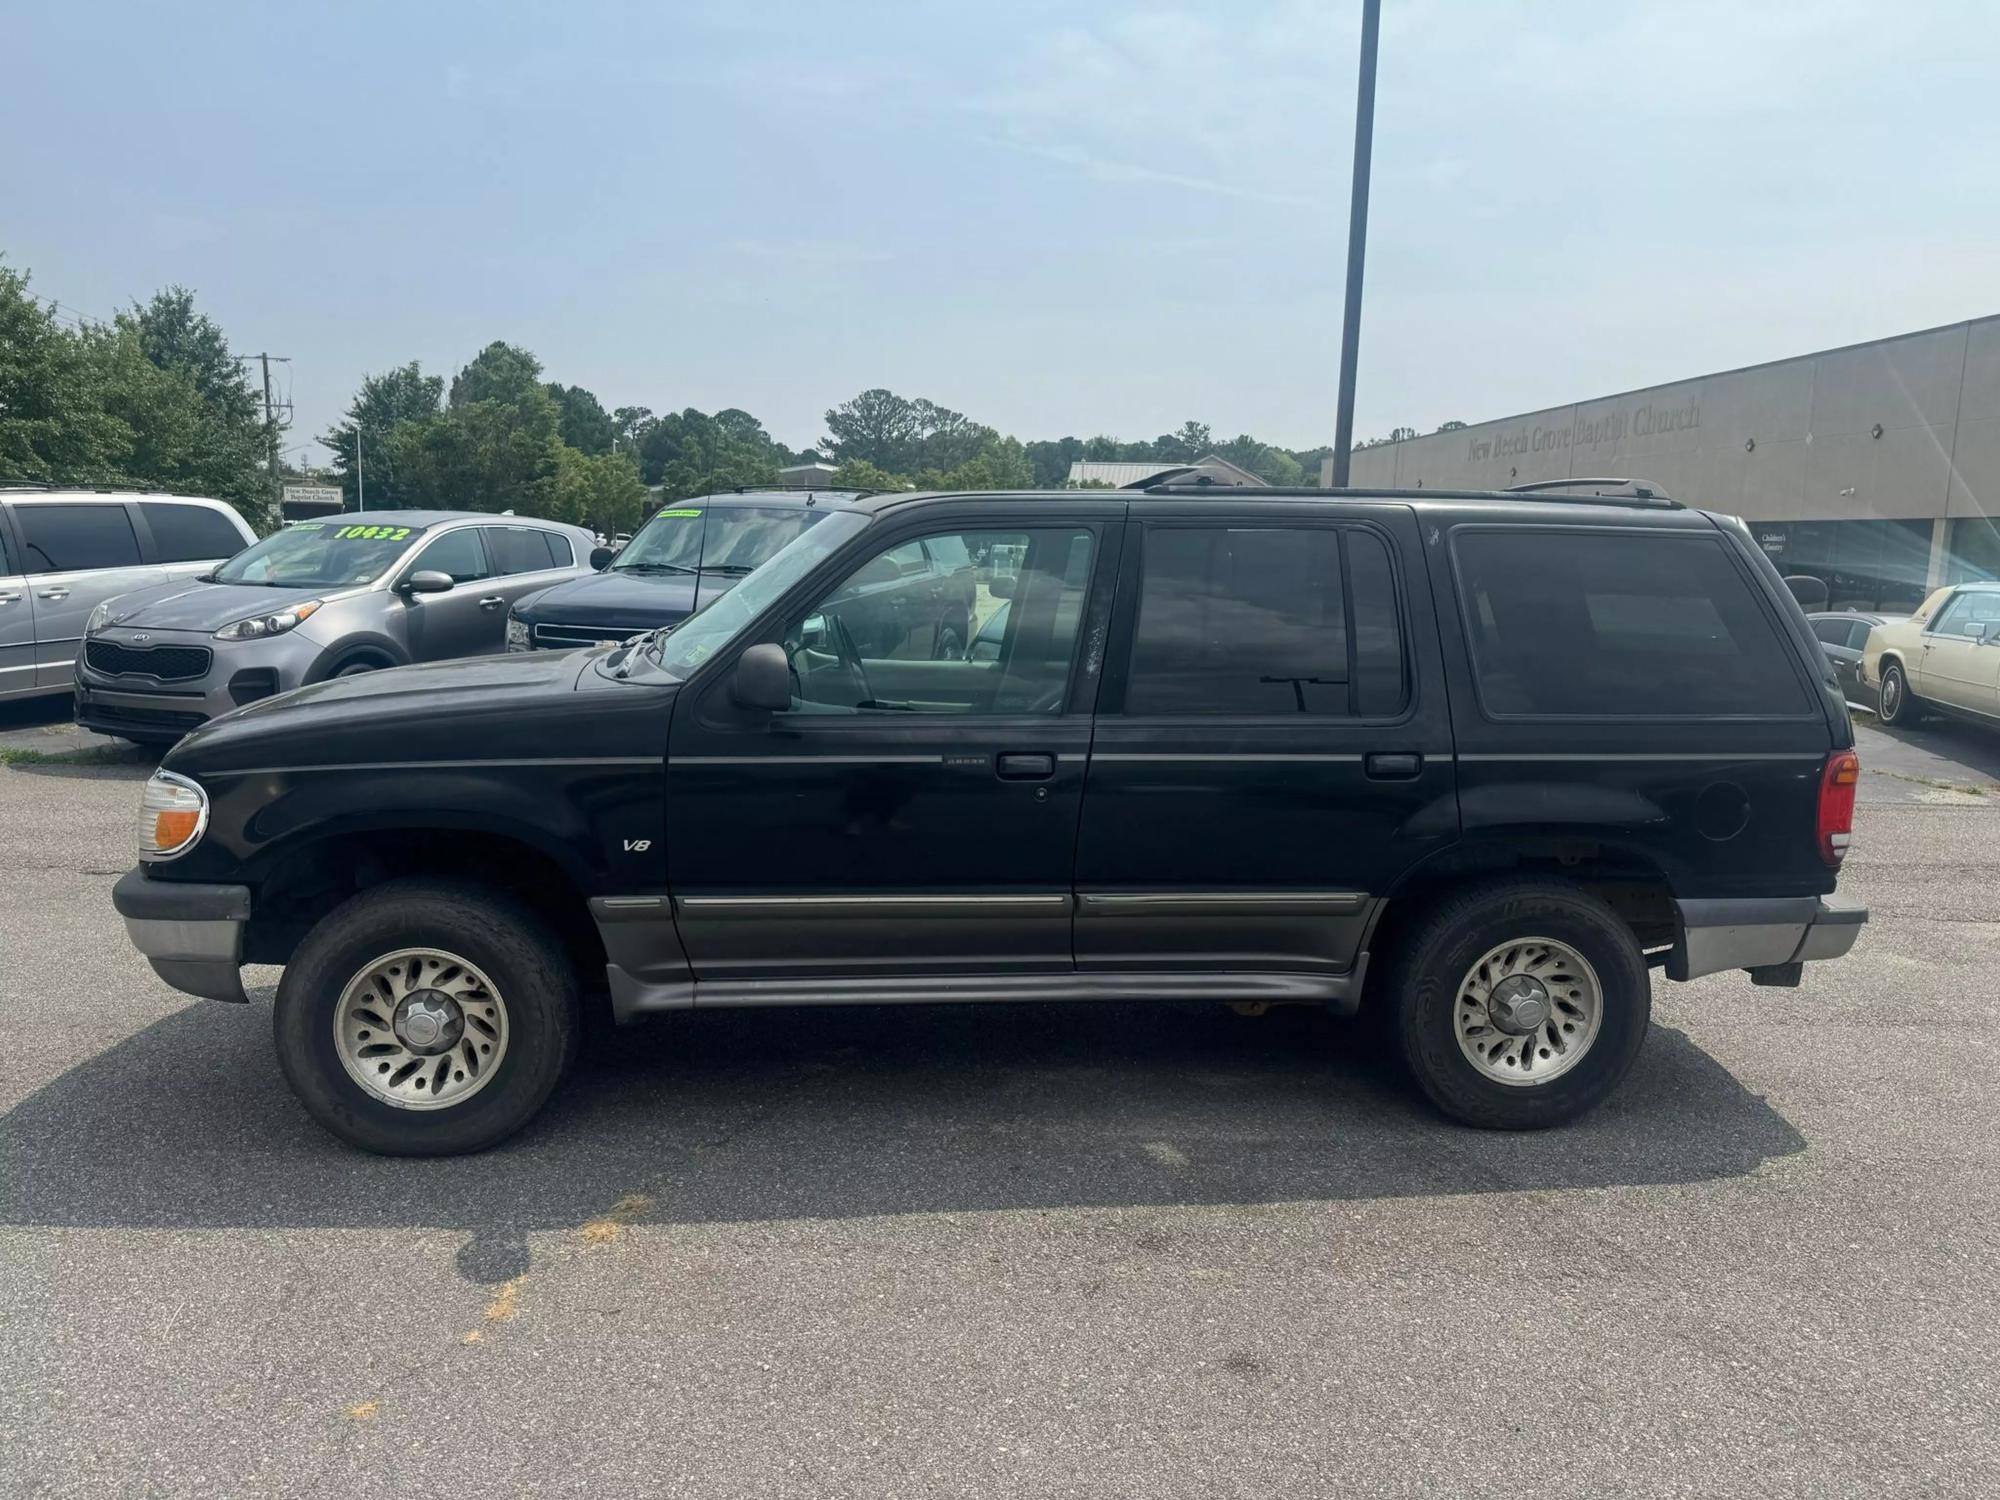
{"x": 1627, "y": 623}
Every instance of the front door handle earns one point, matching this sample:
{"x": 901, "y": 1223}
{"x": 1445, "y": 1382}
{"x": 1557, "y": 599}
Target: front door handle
{"x": 1021, "y": 765}
{"x": 10, "y": 598}
{"x": 1392, "y": 765}
{"x": 55, "y": 593}
{"x": 491, "y": 601}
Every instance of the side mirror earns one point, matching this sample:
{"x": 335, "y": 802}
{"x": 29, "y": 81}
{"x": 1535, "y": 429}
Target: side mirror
{"x": 1001, "y": 585}
{"x": 426, "y": 581}
{"x": 1978, "y": 630}
{"x": 763, "y": 678}
{"x": 600, "y": 558}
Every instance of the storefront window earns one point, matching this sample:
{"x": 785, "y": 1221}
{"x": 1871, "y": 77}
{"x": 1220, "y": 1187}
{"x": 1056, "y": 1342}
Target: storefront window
{"x": 1975, "y": 551}
{"x": 1876, "y": 565}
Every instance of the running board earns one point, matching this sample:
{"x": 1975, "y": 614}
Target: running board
{"x": 1339, "y": 993}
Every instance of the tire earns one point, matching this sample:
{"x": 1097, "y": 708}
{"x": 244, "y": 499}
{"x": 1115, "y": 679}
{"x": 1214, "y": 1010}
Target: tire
{"x": 506, "y": 964}
{"x": 1894, "y": 704}
{"x": 1437, "y": 963}
{"x": 356, "y": 668}
{"x": 949, "y": 643}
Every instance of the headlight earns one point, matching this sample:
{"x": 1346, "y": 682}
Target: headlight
{"x": 99, "y": 618}
{"x": 259, "y": 626}
{"x": 517, "y": 633}
{"x": 173, "y": 811}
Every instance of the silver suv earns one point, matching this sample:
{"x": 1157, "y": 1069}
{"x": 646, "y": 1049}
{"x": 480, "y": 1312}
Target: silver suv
{"x": 64, "y": 552}
{"x": 351, "y": 593}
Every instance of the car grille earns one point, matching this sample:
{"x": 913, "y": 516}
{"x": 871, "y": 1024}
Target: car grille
{"x": 161, "y": 663}
{"x": 568, "y": 637}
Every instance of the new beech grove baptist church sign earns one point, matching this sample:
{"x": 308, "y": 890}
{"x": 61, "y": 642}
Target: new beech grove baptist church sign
{"x": 1649, "y": 420}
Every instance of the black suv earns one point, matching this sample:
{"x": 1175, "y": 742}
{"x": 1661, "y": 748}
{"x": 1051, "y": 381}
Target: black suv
{"x": 1476, "y": 761}
{"x": 692, "y": 552}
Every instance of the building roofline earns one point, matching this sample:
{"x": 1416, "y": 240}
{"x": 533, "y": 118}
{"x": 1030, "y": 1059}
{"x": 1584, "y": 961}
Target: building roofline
{"x": 1660, "y": 385}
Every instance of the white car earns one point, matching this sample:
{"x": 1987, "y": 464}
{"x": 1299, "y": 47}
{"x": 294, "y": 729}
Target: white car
{"x": 1945, "y": 658}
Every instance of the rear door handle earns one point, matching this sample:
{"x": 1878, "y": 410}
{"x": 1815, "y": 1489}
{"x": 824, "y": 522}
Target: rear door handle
{"x": 10, "y": 598}
{"x": 1019, "y": 765}
{"x": 1393, "y": 765}
{"x": 491, "y": 601}
{"x": 55, "y": 593}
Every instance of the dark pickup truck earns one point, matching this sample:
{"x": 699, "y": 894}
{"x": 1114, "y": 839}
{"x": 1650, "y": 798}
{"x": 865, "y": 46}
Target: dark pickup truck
{"x": 1478, "y": 761}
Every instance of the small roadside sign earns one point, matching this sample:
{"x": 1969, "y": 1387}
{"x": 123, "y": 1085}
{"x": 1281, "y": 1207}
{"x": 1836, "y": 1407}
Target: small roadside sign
{"x": 312, "y": 499}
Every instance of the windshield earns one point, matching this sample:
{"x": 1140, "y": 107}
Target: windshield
{"x": 708, "y": 630}
{"x": 320, "y": 555}
{"x": 686, "y": 539}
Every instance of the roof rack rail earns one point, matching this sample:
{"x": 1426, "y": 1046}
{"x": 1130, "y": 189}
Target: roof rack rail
{"x": 1609, "y": 487}
{"x": 1641, "y": 496}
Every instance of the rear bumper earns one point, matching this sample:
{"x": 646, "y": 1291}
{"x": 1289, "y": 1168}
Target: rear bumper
{"x": 192, "y": 935}
{"x": 1764, "y": 933}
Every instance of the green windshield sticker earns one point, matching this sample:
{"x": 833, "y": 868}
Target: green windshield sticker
{"x": 372, "y": 534}
{"x": 678, "y": 513}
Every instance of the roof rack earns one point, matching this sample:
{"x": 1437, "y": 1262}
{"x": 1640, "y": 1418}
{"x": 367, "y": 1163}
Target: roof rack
{"x": 1609, "y": 488}
{"x": 1641, "y": 496}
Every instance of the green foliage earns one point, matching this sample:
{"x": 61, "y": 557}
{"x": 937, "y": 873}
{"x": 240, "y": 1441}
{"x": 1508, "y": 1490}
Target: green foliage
{"x": 404, "y": 394}
{"x": 582, "y": 420}
{"x": 599, "y": 491}
{"x": 499, "y": 372}
{"x": 153, "y": 399}
{"x": 859, "y": 474}
{"x": 691, "y": 453}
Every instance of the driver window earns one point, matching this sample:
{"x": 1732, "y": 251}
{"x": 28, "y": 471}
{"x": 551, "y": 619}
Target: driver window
{"x": 965, "y": 622}
{"x": 457, "y": 553}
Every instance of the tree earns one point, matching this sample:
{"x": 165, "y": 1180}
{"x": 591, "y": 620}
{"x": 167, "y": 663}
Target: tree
{"x": 859, "y": 474}
{"x": 53, "y": 425}
{"x": 404, "y": 394}
{"x": 1050, "y": 461}
{"x": 1189, "y": 442}
{"x": 600, "y": 492}
{"x": 1449, "y": 426}
{"x": 877, "y": 426}
{"x": 582, "y": 419}
{"x": 691, "y": 453}
{"x": 226, "y": 447}
{"x": 499, "y": 372}
{"x": 1000, "y": 465}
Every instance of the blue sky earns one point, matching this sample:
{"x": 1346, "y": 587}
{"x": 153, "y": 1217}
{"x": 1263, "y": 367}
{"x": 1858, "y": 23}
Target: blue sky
{"x": 1057, "y": 217}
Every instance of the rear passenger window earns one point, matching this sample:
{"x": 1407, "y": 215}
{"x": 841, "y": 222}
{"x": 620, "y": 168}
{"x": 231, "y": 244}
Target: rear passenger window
{"x": 518, "y": 549}
{"x": 190, "y": 533}
{"x": 1621, "y": 624}
{"x": 1834, "y": 631}
{"x": 70, "y": 538}
{"x": 1257, "y": 620}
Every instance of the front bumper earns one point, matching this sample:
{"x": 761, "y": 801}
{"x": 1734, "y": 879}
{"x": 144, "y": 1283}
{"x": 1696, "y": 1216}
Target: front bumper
{"x": 138, "y": 706}
{"x": 191, "y": 934}
{"x": 1768, "y": 936}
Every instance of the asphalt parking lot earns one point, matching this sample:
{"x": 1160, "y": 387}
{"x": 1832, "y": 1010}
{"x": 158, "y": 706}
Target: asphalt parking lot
{"x": 992, "y": 1251}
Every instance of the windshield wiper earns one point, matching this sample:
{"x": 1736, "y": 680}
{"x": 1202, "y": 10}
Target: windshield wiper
{"x": 735, "y": 569}
{"x": 652, "y": 567}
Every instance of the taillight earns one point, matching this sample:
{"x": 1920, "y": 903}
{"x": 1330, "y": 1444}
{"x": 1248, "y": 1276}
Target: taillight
{"x": 1836, "y": 804}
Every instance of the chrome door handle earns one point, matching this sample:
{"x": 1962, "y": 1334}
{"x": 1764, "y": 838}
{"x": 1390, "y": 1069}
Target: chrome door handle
{"x": 55, "y": 593}
{"x": 10, "y": 598}
{"x": 491, "y": 601}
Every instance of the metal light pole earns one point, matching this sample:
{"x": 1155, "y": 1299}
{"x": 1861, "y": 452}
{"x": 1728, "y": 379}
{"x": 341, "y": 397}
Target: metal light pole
{"x": 1357, "y": 240}
{"x": 360, "y": 479}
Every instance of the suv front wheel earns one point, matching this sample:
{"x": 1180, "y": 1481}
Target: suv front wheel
{"x": 1521, "y": 1004}
{"x": 426, "y": 1017}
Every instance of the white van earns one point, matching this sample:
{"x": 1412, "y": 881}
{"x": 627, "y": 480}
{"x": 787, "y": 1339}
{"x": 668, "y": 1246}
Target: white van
{"x": 64, "y": 552}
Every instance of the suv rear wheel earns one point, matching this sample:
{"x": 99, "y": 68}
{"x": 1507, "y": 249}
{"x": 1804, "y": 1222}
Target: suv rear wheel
{"x": 1521, "y": 1004}
{"x": 426, "y": 1017}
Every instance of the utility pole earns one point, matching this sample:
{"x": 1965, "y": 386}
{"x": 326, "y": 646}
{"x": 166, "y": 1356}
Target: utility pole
{"x": 272, "y": 410}
{"x": 1357, "y": 241}
{"x": 360, "y": 479}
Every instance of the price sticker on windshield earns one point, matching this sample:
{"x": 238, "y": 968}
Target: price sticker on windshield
{"x": 372, "y": 534}
{"x": 677, "y": 513}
